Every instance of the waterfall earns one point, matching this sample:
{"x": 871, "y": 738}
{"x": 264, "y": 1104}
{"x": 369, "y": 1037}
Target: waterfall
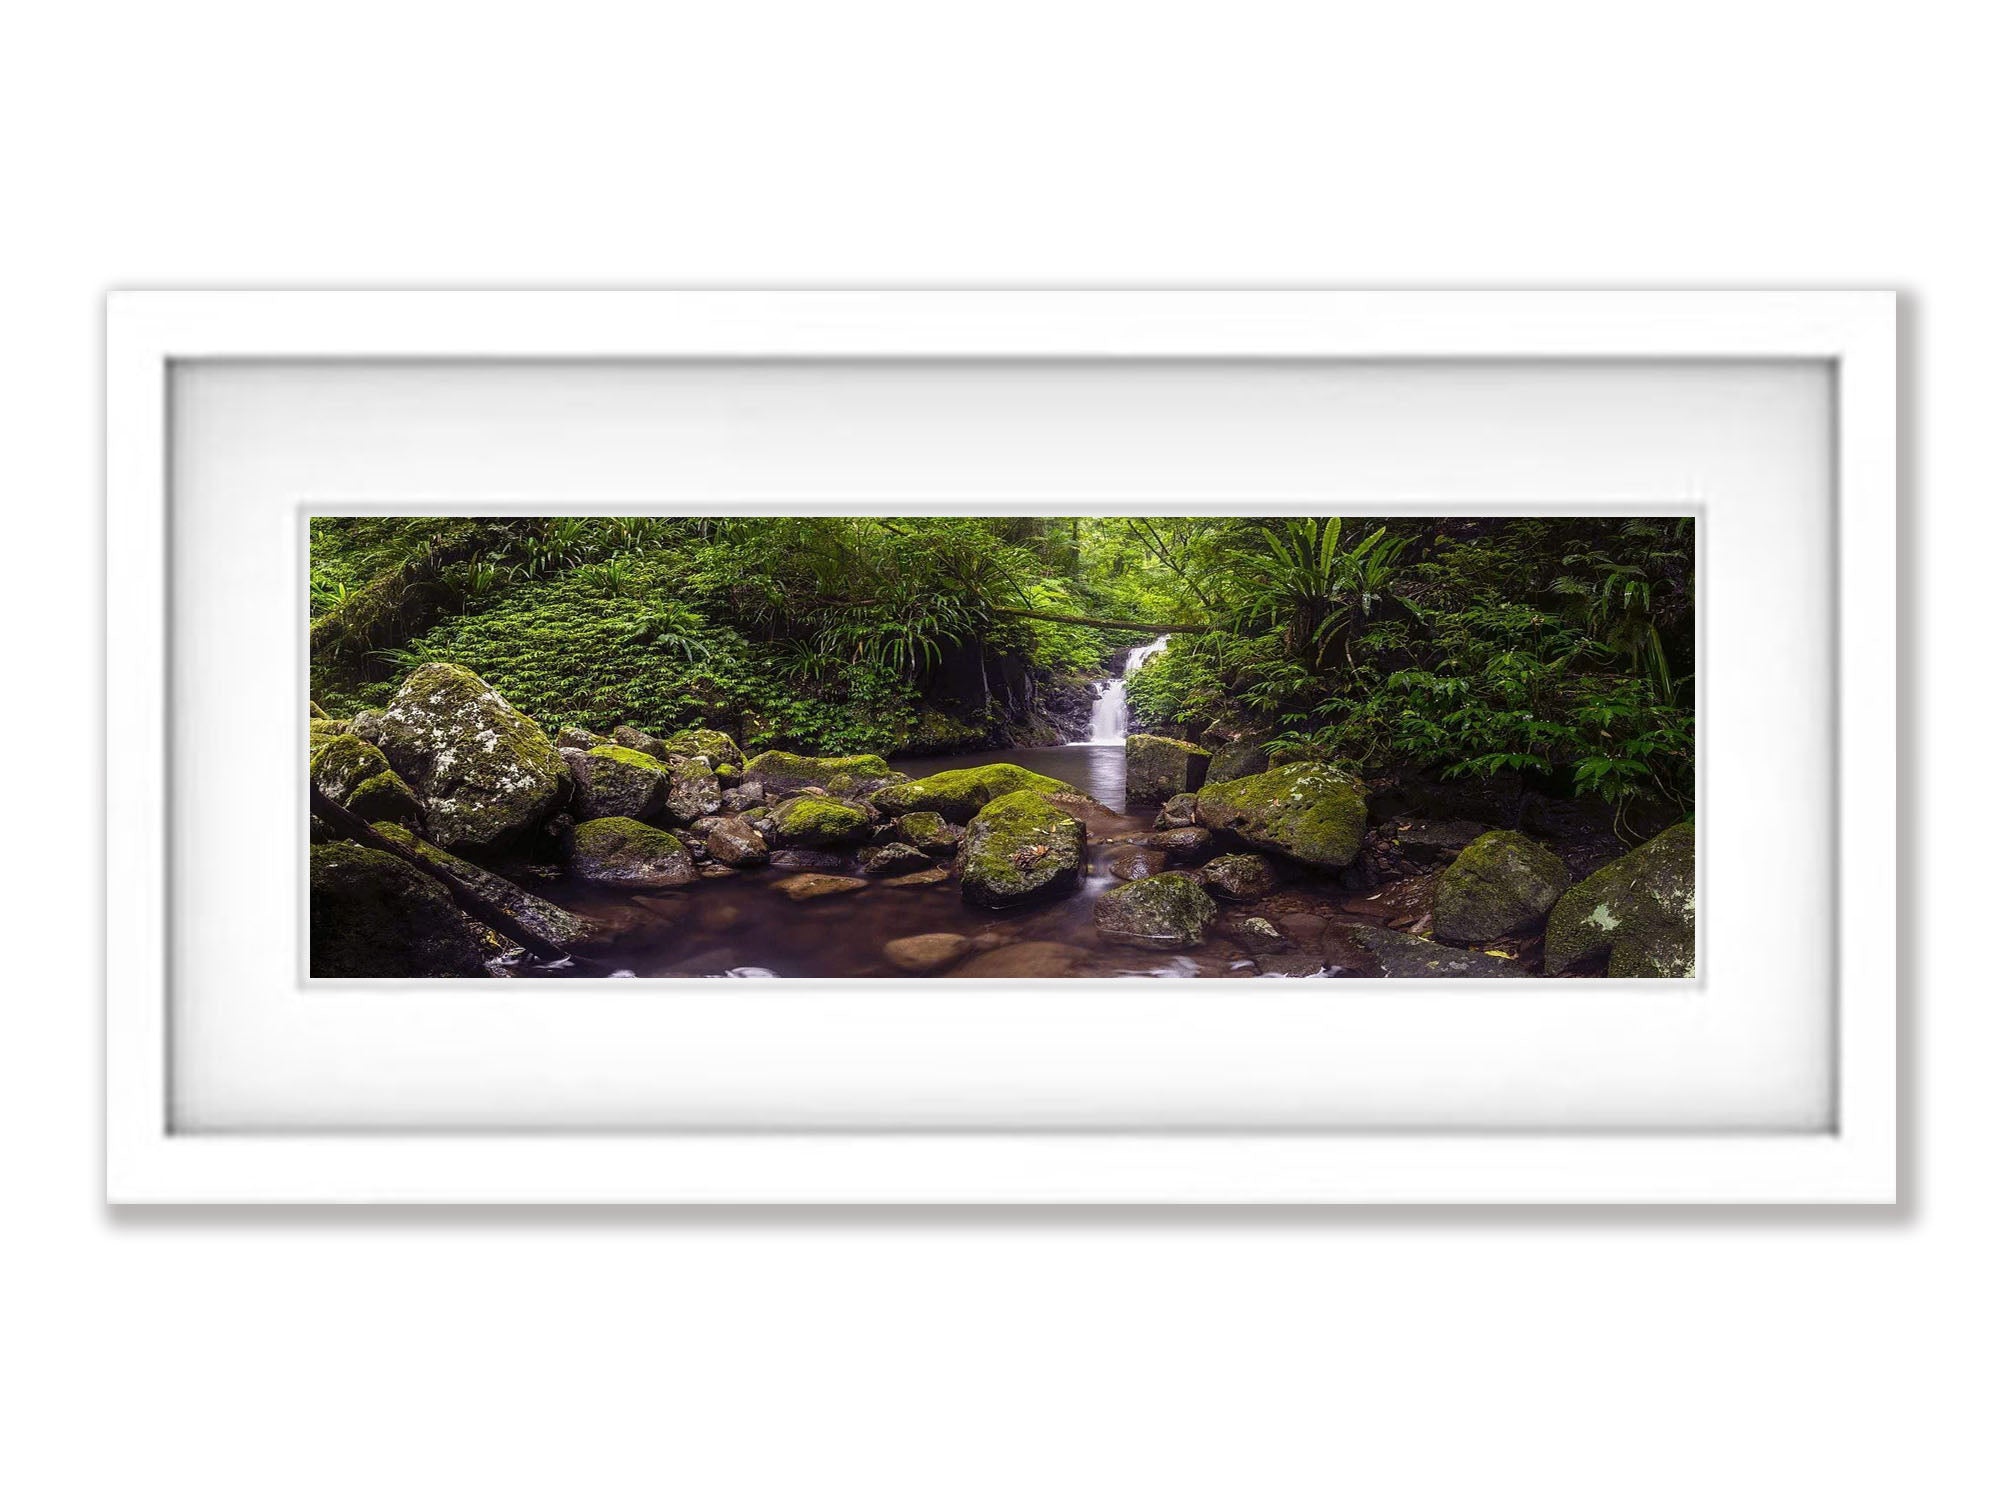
{"x": 1108, "y": 717}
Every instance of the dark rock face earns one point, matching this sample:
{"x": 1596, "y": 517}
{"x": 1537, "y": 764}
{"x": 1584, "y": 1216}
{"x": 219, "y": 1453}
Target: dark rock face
{"x": 1157, "y": 768}
{"x": 485, "y": 773}
{"x": 1240, "y": 877}
{"x": 375, "y": 917}
{"x": 1637, "y": 912}
{"x": 613, "y": 781}
{"x": 1402, "y": 956}
{"x": 637, "y": 739}
{"x": 693, "y": 793}
{"x": 621, "y": 852}
{"x": 1503, "y": 883}
{"x": 742, "y": 797}
{"x": 574, "y": 737}
{"x": 1162, "y": 912}
{"x": 1311, "y": 812}
{"x": 546, "y": 920}
{"x": 1021, "y": 848}
{"x": 1429, "y": 840}
{"x": 736, "y": 844}
{"x": 894, "y": 859}
{"x": 808, "y": 859}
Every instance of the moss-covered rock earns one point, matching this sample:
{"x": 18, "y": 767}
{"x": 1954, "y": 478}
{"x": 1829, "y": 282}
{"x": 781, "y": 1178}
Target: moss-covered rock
{"x": 546, "y": 920}
{"x": 958, "y": 795}
{"x": 781, "y": 771}
{"x": 374, "y": 917}
{"x": 1184, "y": 846}
{"x": 1020, "y": 848}
{"x": 1178, "y": 812}
{"x": 894, "y": 859}
{"x": 1164, "y": 912}
{"x": 575, "y": 737}
{"x": 1157, "y": 768}
{"x": 1311, "y": 812}
{"x": 718, "y": 747}
{"x": 485, "y": 773}
{"x": 1243, "y": 756}
{"x": 736, "y": 844}
{"x": 622, "y": 852}
{"x": 1504, "y": 882}
{"x": 1402, "y": 956}
{"x": 1637, "y": 913}
{"x": 355, "y": 774}
{"x": 634, "y": 738}
{"x": 614, "y": 781}
{"x": 695, "y": 792}
{"x": 818, "y": 822}
{"x": 1240, "y": 877}
{"x": 930, "y": 832}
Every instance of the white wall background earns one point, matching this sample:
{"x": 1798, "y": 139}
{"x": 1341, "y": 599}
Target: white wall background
{"x": 1450, "y": 1353}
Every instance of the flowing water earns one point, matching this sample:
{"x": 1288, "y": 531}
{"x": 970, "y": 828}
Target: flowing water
{"x": 1109, "y": 717}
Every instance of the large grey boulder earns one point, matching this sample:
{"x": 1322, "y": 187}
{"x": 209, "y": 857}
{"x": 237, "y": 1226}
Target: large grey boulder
{"x": 374, "y": 917}
{"x": 1311, "y": 812}
{"x": 485, "y": 773}
{"x": 1163, "y": 912}
{"x": 613, "y": 781}
{"x": 352, "y": 772}
{"x": 621, "y": 852}
{"x": 1637, "y": 914}
{"x": 1504, "y": 882}
{"x": 1021, "y": 848}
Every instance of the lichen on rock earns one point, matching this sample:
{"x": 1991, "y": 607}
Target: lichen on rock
{"x": 1637, "y": 914}
{"x": 1502, "y": 883}
{"x": 1162, "y": 912}
{"x": 613, "y": 781}
{"x": 1312, "y": 812}
{"x": 1020, "y": 848}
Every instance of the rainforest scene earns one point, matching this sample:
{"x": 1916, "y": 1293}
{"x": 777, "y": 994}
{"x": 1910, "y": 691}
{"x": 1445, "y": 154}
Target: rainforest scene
{"x": 1008, "y": 747}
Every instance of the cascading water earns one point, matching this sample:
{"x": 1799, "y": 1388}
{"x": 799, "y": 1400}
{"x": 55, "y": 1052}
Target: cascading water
{"x": 1108, "y": 717}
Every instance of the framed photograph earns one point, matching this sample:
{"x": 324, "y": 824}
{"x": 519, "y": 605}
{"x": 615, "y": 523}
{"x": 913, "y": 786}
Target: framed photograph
{"x": 1002, "y": 747}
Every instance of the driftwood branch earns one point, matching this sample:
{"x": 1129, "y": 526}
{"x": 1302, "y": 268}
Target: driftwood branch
{"x": 353, "y": 826}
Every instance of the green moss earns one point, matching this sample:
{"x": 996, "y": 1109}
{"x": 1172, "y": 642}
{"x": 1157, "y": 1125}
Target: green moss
{"x": 1161, "y": 912}
{"x": 959, "y": 795}
{"x": 1502, "y": 882}
{"x": 1637, "y": 914}
{"x": 817, "y": 821}
{"x": 713, "y": 743}
{"x": 1021, "y": 847}
{"x": 781, "y": 770}
{"x": 545, "y": 919}
{"x": 1157, "y": 768}
{"x": 1311, "y": 812}
{"x": 374, "y": 917}
{"x": 386, "y": 797}
{"x": 623, "y": 852}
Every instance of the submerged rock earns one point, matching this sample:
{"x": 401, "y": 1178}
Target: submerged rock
{"x": 485, "y": 773}
{"x": 812, "y": 886}
{"x": 1402, "y": 956}
{"x": 894, "y": 859}
{"x": 375, "y": 917}
{"x": 1240, "y": 877}
{"x": 546, "y": 920}
{"x": 621, "y": 852}
{"x": 782, "y": 772}
{"x": 736, "y": 844}
{"x": 1503, "y": 883}
{"x": 1311, "y": 812}
{"x": 613, "y": 781}
{"x": 933, "y": 876}
{"x": 355, "y": 774}
{"x": 1163, "y": 912}
{"x": 960, "y": 794}
{"x": 927, "y": 952}
{"x": 1157, "y": 768}
{"x": 1135, "y": 862}
{"x": 1637, "y": 913}
{"x": 1034, "y": 960}
{"x": 1020, "y": 848}
{"x": 816, "y": 822}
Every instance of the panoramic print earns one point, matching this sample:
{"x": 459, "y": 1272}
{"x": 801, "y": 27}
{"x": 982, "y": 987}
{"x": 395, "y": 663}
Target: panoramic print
{"x": 1001, "y": 748}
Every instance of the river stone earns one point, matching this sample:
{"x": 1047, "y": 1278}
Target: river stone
{"x": 1021, "y": 848}
{"x": 638, "y": 739}
{"x": 1163, "y": 912}
{"x": 1135, "y": 862}
{"x": 1178, "y": 812}
{"x": 1430, "y": 839}
{"x": 812, "y": 886}
{"x": 1405, "y": 957}
{"x": 1182, "y": 846}
{"x": 1240, "y": 877}
{"x": 693, "y": 794}
{"x": 736, "y": 844}
{"x": 614, "y": 781}
{"x": 929, "y": 832}
{"x": 782, "y": 772}
{"x": 1258, "y": 934}
{"x": 1157, "y": 768}
{"x": 960, "y": 794}
{"x": 575, "y": 737}
{"x": 374, "y": 917}
{"x": 817, "y": 822}
{"x": 743, "y": 797}
{"x": 352, "y": 772}
{"x": 1244, "y": 756}
{"x": 1033, "y": 960}
{"x": 621, "y": 852}
{"x": 927, "y": 952}
{"x": 1503, "y": 883}
{"x": 807, "y": 859}
{"x": 894, "y": 859}
{"x": 1310, "y": 811}
{"x": 485, "y": 773}
{"x": 1637, "y": 912}
{"x": 546, "y": 920}
{"x": 718, "y": 747}
{"x": 933, "y": 876}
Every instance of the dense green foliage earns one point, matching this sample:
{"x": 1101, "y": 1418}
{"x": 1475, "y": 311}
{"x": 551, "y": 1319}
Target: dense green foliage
{"x": 1559, "y": 650}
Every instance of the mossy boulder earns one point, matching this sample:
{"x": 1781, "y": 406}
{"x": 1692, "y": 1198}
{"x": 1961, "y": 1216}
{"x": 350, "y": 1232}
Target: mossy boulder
{"x": 485, "y": 773}
{"x": 622, "y": 852}
{"x": 930, "y": 832}
{"x": 358, "y": 776}
{"x": 1164, "y": 912}
{"x": 575, "y": 737}
{"x": 546, "y": 920}
{"x": 1244, "y": 756}
{"x": 1178, "y": 812}
{"x": 1157, "y": 768}
{"x": 1637, "y": 914}
{"x": 736, "y": 844}
{"x": 718, "y": 747}
{"x": 633, "y": 738}
{"x": 958, "y": 795}
{"x": 613, "y": 781}
{"x": 1503, "y": 882}
{"x": 1240, "y": 877}
{"x": 781, "y": 771}
{"x": 1402, "y": 956}
{"x": 894, "y": 859}
{"x": 1020, "y": 848}
{"x": 1184, "y": 846}
{"x": 1311, "y": 812}
{"x": 374, "y": 917}
{"x": 694, "y": 791}
{"x": 819, "y": 822}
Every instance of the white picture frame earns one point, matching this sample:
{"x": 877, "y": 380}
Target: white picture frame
{"x": 1852, "y": 1160}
